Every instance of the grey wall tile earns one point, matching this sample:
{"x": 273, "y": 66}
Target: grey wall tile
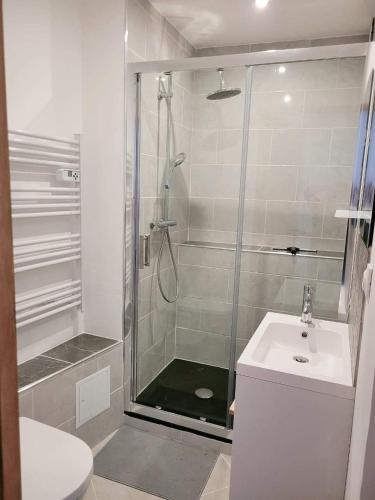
{"x": 324, "y": 184}
{"x": 145, "y": 333}
{"x": 287, "y": 265}
{"x": 255, "y": 216}
{"x": 218, "y": 114}
{"x": 249, "y": 319}
{"x": 203, "y": 282}
{"x": 97, "y": 429}
{"x": 216, "y": 317}
{"x": 113, "y": 358}
{"x": 215, "y": 181}
{"x": 68, "y": 426}
{"x": 170, "y": 346}
{"x": 149, "y": 184}
{"x": 330, "y": 270}
{"x": 301, "y": 147}
{"x": 296, "y": 76}
{"x": 201, "y": 347}
{"x": 225, "y": 214}
{"x": 196, "y": 256}
{"x": 259, "y": 147}
{"x": 271, "y": 183}
{"x": 188, "y": 313}
{"x": 299, "y": 218}
{"x": 332, "y": 226}
{"x": 165, "y": 320}
{"x": 332, "y": 108}
{"x": 25, "y": 401}
{"x": 343, "y": 148}
{"x": 350, "y": 72}
{"x": 277, "y": 110}
{"x": 229, "y": 147}
{"x": 150, "y": 363}
{"x": 55, "y": 399}
{"x": 137, "y": 28}
{"x": 269, "y": 78}
{"x": 249, "y": 261}
{"x": 205, "y": 146}
{"x": 201, "y": 213}
{"x": 327, "y": 297}
{"x": 259, "y": 290}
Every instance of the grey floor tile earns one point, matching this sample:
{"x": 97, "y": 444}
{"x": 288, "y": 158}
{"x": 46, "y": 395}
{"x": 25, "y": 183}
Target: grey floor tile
{"x": 105, "y": 490}
{"x": 219, "y": 478}
{"x": 217, "y": 495}
{"x": 90, "y": 493}
{"x": 38, "y": 368}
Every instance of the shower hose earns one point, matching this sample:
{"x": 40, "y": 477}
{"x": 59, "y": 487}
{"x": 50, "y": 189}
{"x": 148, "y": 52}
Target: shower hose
{"x": 166, "y": 238}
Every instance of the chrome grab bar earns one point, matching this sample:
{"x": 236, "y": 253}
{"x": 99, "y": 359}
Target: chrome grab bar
{"x": 145, "y": 250}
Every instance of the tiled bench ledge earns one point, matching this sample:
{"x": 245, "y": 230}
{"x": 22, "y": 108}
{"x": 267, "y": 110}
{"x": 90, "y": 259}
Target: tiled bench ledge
{"x": 62, "y": 357}
{"x": 319, "y": 254}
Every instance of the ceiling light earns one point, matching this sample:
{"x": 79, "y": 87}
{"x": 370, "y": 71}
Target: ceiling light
{"x": 261, "y": 3}
{"x": 281, "y": 69}
{"x": 287, "y": 98}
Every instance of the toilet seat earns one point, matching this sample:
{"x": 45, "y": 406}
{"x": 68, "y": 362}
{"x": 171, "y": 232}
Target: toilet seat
{"x": 54, "y": 464}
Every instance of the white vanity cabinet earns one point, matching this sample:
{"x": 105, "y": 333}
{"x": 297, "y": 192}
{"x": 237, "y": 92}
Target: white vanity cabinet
{"x": 292, "y": 423}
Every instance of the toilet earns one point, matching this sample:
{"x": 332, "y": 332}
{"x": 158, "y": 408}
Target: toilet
{"x": 54, "y": 464}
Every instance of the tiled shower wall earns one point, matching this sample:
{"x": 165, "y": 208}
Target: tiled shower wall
{"x": 301, "y": 152}
{"x": 151, "y": 37}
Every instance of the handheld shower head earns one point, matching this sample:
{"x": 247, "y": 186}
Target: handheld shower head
{"x": 179, "y": 160}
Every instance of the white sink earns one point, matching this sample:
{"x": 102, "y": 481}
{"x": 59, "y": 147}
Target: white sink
{"x": 287, "y": 351}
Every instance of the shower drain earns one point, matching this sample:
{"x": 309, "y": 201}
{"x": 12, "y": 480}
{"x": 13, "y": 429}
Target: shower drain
{"x": 204, "y": 393}
{"x": 301, "y": 359}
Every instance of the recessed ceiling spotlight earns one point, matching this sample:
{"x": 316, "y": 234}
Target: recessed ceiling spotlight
{"x": 281, "y": 69}
{"x": 261, "y": 3}
{"x": 287, "y": 98}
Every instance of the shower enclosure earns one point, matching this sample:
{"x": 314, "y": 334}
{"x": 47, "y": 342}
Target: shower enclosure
{"x": 240, "y": 163}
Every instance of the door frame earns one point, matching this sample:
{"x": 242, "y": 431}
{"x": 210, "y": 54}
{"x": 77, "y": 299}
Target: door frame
{"x": 10, "y": 474}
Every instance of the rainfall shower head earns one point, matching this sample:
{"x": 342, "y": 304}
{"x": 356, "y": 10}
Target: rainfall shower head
{"x": 179, "y": 160}
{"x": 222, "y": 92}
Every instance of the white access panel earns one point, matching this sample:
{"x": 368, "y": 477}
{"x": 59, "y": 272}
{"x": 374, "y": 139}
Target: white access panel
{"x": 93, "y": 395}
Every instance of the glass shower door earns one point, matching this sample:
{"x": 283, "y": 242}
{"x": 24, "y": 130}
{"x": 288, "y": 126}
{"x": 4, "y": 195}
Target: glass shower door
{"x": 190, "y": 163}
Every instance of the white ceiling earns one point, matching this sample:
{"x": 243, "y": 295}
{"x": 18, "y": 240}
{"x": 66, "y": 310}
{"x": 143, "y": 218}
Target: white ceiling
{"x": 210, "y": 23}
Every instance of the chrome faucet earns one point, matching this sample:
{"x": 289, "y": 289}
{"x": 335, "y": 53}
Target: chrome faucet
{"x": 306, "y": 316}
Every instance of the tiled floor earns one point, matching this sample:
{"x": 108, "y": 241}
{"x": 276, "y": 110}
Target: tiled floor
{"x": 217, "y": 487}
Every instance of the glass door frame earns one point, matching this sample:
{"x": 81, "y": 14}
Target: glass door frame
{"x": 135, "y": 71}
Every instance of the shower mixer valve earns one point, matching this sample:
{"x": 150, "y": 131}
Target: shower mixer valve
{"x": 162, "y": 224}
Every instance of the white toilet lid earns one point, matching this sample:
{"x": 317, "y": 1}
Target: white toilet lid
{"x": 54, "y": 464}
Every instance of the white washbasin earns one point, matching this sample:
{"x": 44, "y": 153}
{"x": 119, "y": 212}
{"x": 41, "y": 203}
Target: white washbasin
{"x": 287, "y": 351}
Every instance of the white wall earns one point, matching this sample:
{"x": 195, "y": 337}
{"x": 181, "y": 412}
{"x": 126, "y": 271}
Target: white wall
{"x": 43, "y": 77}
{"x": 65, "y": 75}
{"x": 43, "y": 65}
{"x": 103, "y": 135}
{"x": 365, "y": 380}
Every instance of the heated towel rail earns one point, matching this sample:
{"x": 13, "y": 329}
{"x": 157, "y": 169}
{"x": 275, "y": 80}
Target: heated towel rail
{"x": 40, "y": 191}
